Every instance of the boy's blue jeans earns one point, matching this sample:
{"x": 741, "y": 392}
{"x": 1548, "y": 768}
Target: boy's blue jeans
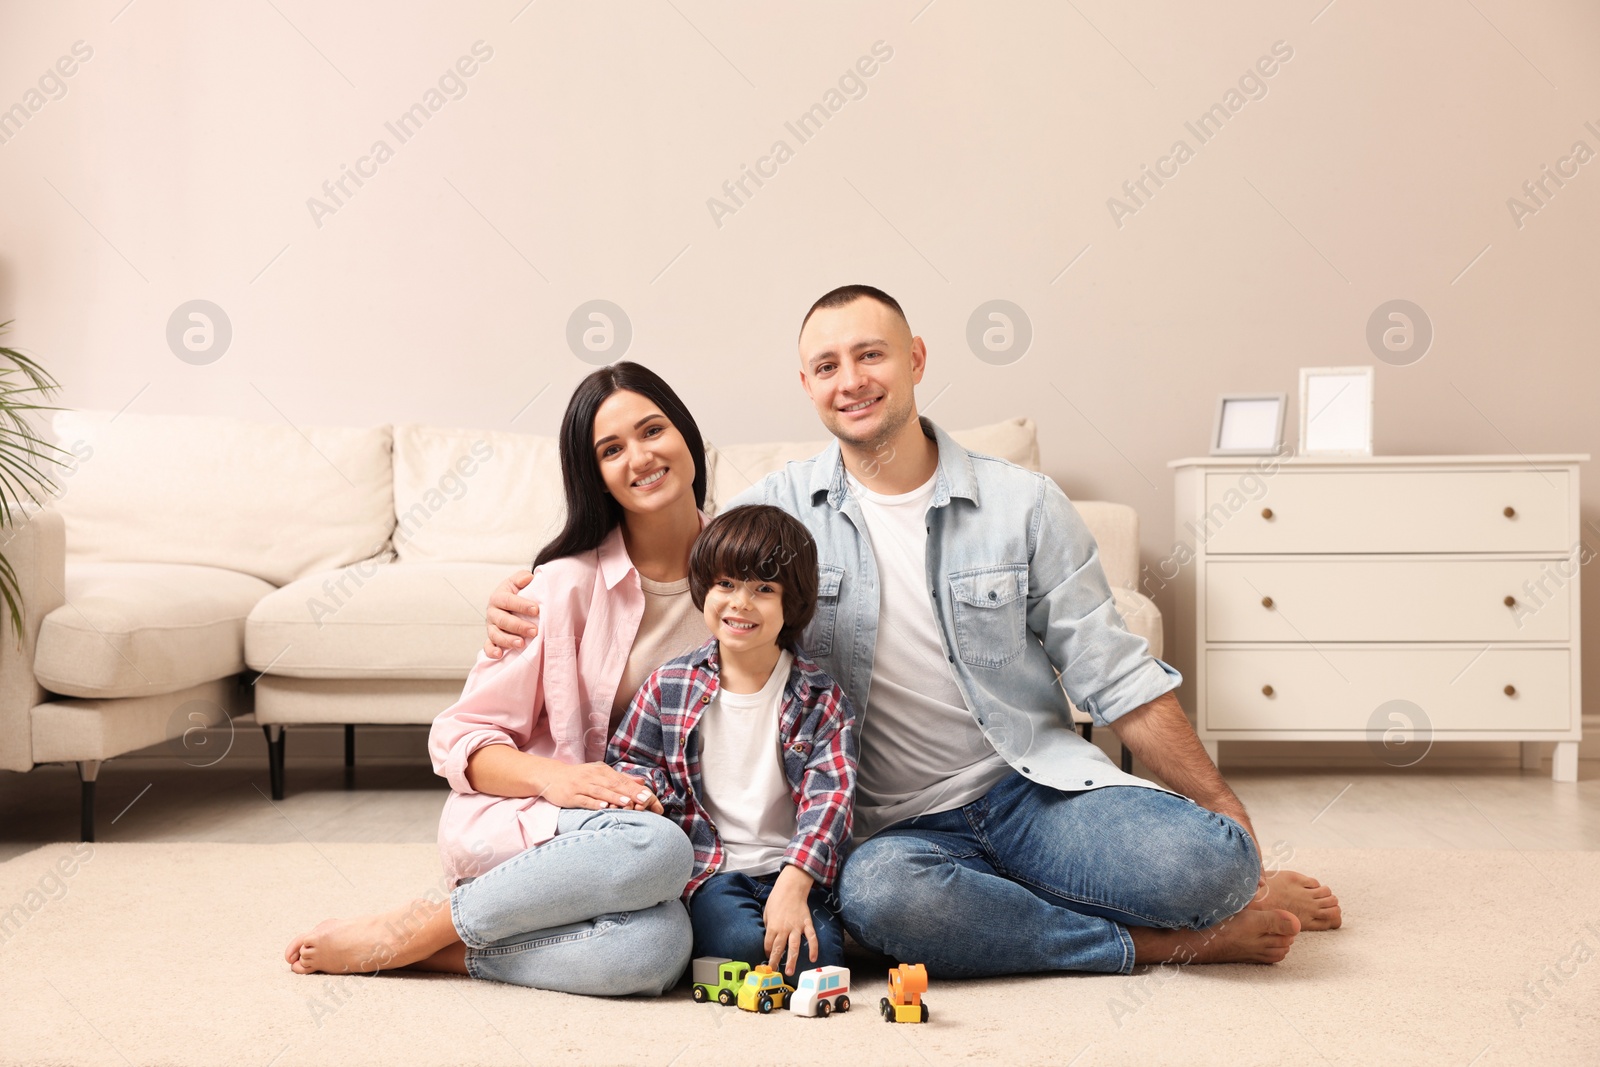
{"x": 727, "y": 916}
{"x": 1030, "y": 878}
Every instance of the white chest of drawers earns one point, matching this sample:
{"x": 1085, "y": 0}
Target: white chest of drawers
{"x": 1402, "y": 601}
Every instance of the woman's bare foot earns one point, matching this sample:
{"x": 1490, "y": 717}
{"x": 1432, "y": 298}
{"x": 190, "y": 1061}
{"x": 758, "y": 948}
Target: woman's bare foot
{"x": 1311, "y": 902}
{"x": 372, "y": 943}
{"x": 1255, "y": 935}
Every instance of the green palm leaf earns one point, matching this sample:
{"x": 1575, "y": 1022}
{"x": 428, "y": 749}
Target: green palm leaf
{"x": 24, "y": 476}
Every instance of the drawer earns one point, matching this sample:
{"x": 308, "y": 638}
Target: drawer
{"x": 1356, "y": 599}
{"x": 1340, "y": 688}
{"x": 1380, "y": 510}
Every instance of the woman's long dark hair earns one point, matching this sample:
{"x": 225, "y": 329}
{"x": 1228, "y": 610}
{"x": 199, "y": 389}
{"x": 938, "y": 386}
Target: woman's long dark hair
{"x": 592, "y": 512}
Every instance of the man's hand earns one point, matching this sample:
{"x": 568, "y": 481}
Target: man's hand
{"x": 788, "y": 918}
{"x": 511, "y": 619}
{"x": 1159, "y": 734}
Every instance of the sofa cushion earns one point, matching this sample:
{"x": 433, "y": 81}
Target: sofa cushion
{"x": 270, "y": 500}
{"x": 738, "y": 467}
{"x": 139, "y": 629}
{"x": 374, "y": 620}
{"x": 474, "y": 495}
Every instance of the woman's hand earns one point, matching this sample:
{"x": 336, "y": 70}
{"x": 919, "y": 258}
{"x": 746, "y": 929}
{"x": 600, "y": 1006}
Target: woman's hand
{"x": 788, "y": 918}
{"x": 594, "y": 786}
{"x": 511, "y": 619}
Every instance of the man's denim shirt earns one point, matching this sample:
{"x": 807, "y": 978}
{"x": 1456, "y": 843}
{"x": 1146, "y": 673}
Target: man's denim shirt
{"x": 1019, "y": 595}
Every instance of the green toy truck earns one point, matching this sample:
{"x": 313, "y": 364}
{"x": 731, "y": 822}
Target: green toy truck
{"x": 715, "y": 977}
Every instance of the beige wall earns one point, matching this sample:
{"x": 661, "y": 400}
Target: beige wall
{"x": 976, "y": 163}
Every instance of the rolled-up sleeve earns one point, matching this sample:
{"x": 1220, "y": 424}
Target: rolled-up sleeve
{"x": 502, "y": 703}
{"x": 1106, "y": 670}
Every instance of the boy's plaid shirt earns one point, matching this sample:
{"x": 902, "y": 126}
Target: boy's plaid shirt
{"x": 656, "y": 742}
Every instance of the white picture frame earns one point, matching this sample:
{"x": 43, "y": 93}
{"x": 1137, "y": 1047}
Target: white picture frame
{"x": 1248, "y": 424}
{"x": 1336, "y": 411}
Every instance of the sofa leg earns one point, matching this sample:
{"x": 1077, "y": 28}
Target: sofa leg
{"x": 275, "y": 735}
{"x": 349, "y": 755}
{"x": 88, "y": 771}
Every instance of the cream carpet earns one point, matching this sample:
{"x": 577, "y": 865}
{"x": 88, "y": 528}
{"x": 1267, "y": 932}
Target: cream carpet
{"x": 171, "y": 954}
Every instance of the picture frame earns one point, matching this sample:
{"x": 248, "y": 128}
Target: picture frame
{"x": 1336, "y": 411}
{"x": 1248, "y": 424}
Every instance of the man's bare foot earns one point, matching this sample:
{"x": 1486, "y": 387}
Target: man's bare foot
{"x": 384, "y": 941}
{"x": 1311, "y": 902}
{"x": 1255, "y": 935}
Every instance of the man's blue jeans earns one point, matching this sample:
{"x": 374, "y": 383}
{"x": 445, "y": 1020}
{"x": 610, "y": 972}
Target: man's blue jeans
{"x": 727, "y": 915}
{"x": 1030, "y": 878}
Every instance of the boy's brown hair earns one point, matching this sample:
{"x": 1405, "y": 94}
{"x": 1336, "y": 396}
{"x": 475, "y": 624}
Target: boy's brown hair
{"x": 759, "y": 543}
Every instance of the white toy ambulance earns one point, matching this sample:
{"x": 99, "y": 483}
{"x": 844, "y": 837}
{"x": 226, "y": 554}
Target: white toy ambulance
{"x": 821, "y": 991}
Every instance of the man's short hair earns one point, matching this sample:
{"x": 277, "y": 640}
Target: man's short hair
{"x": 759, "y": 543}
{"x": 849, "y": 294}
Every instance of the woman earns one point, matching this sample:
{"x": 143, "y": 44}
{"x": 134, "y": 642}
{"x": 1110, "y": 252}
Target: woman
{"x": 564, "y": 874}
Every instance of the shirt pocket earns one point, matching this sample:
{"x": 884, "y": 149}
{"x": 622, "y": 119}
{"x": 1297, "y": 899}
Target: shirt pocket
{"x": 819, "y": 635}
{"x": 991, "y": 610}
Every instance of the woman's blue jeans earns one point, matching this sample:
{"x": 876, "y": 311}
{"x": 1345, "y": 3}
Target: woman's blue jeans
{"x": 1029, "y": 878}
{"x": 594, "y": 910}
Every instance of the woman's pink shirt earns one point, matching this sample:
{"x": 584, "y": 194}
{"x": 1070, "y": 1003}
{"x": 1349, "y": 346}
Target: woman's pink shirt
{"x": 550, "y": 698}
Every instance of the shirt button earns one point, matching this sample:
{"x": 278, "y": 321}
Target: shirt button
{"x": 706, "y": 699}
{"x": 1089, "y": 782}
{"x": 952, "y": 659}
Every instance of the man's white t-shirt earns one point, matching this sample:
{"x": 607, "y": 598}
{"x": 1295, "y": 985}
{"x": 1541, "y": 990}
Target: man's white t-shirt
{"x": 742, "y": 784}
{"x": 921, "y": 750}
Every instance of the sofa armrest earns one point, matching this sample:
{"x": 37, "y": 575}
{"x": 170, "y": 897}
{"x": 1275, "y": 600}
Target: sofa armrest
{"x": 37, "y": 551}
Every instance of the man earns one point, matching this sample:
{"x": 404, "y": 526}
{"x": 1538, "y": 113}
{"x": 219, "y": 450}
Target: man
{"x": 958, "y": 595}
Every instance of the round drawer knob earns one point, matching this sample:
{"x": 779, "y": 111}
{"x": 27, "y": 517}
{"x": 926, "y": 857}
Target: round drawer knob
{"x": 1511, "y": 690}
{"x": 1266, "y": 690}
{"x": 1511, "y": 601}
{"x": 1266, "y": 513}
{"x": 1266, "y": 602}
{"x": 1510, "y": 512}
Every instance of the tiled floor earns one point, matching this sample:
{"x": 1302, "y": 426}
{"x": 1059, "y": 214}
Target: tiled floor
{"x": 397, "y": 801}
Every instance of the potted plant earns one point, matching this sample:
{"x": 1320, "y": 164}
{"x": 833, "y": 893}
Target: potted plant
{"x": 23, "y": 454}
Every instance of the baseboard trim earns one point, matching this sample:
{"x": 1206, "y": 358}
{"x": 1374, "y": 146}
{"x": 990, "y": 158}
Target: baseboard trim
{"x": 245, "y": 741}
{"x": 408, "y": 743}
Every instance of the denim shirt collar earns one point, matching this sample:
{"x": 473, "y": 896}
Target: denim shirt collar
{"x": 955, "y": 475}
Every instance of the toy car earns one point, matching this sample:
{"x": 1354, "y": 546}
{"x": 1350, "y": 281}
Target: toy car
{"x": 715, "y": 977}
{"x": 763, "y": 990}
{"x": 907, "y": 983}
{"x": 821, "y": 992}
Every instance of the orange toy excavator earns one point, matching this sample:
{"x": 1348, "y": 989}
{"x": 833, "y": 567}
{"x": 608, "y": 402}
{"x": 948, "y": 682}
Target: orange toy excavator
{"x": 907, "y": 983}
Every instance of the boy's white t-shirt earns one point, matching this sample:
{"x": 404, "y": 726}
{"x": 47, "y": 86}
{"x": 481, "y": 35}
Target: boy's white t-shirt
{"x": 742, "y": 784}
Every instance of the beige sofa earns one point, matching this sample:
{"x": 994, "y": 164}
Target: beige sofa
{"x": 197, "y": 569}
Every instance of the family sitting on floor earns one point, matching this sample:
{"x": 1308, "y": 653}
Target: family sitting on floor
{"x": 837, "y": 706}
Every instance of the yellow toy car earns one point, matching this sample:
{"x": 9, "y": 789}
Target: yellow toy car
{"x": 763, "y": 990}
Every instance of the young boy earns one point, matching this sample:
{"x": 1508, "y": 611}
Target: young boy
{"x": 751, "y": 748}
